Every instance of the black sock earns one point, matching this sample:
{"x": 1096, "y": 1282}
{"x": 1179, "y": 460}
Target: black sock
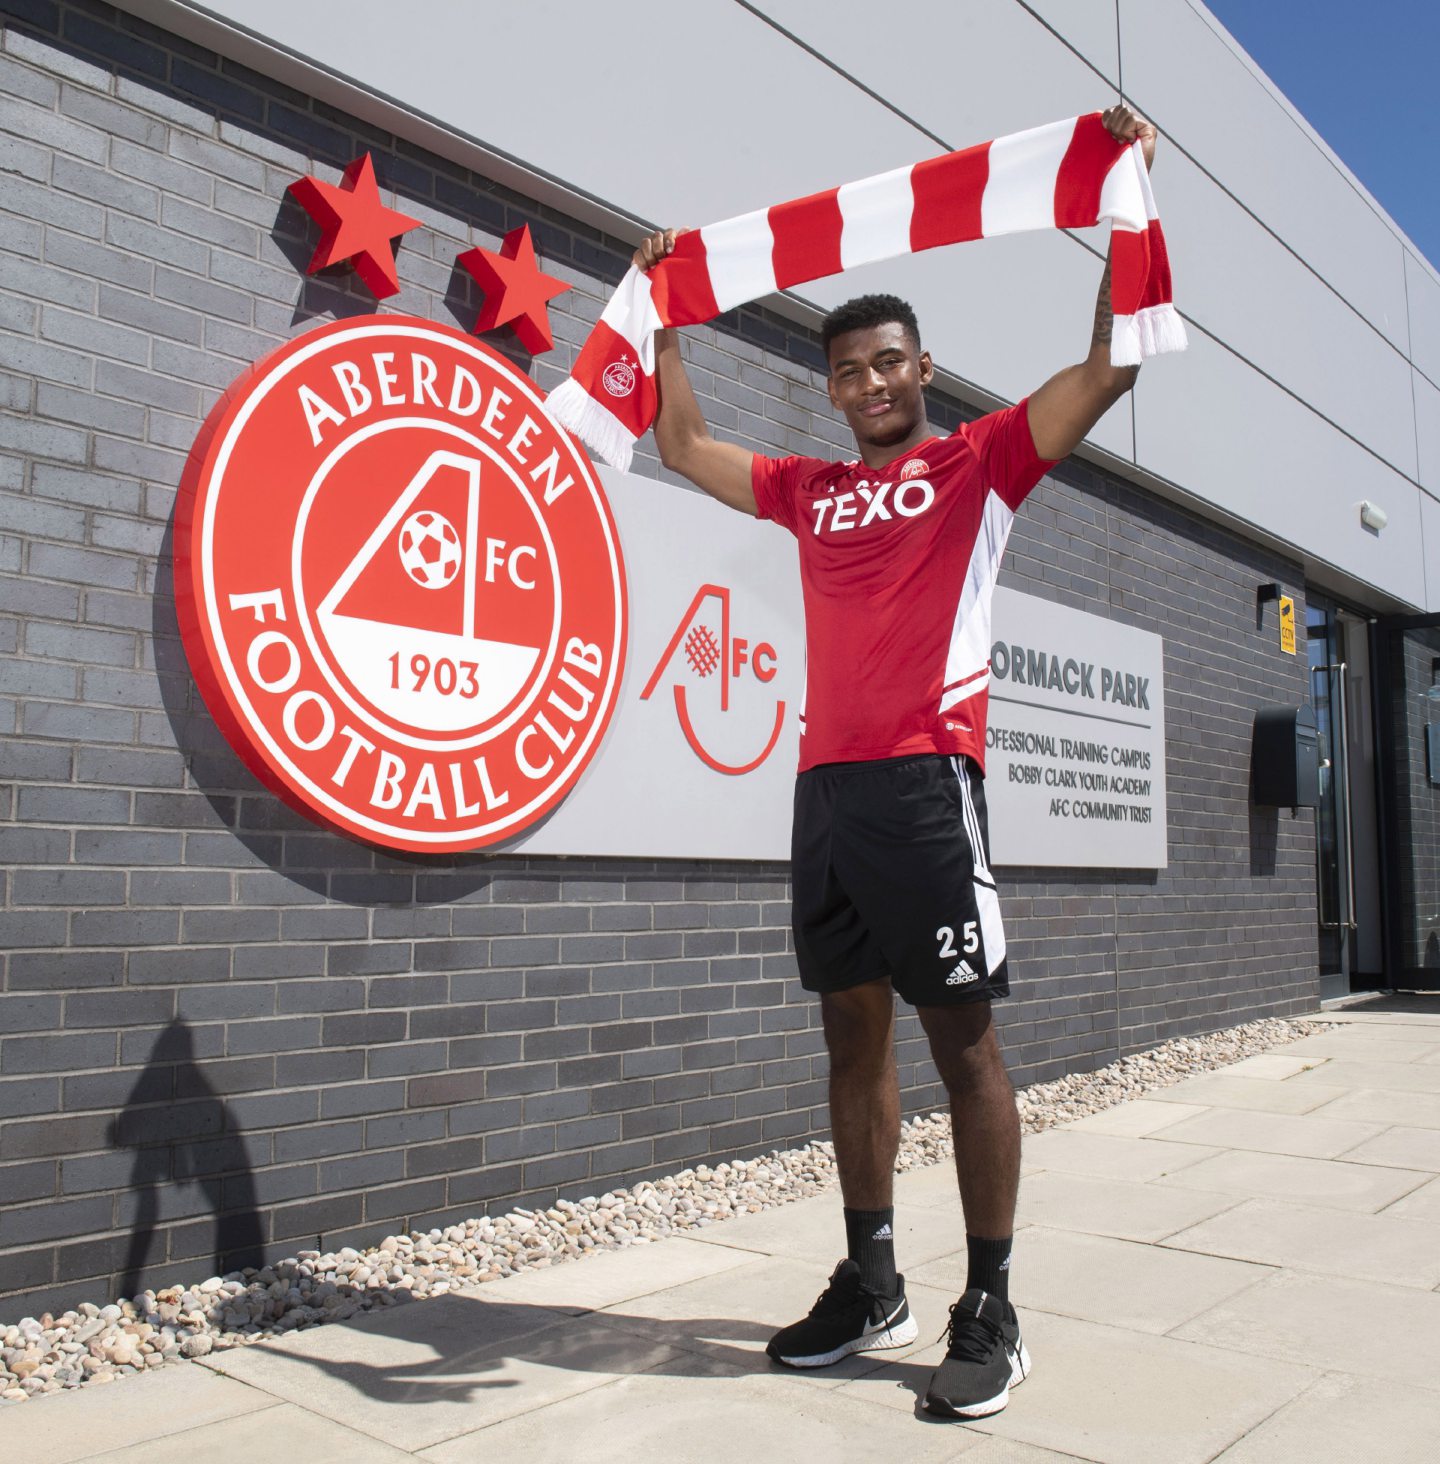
{"x": 989, "y": 1265}
{"x": 870, "y": 1239}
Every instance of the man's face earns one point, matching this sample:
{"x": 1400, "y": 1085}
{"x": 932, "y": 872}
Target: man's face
{"x": 877, "y": 376}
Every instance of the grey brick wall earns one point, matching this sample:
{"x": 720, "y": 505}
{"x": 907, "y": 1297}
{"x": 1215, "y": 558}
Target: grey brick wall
{"x": 210, "y": 1008}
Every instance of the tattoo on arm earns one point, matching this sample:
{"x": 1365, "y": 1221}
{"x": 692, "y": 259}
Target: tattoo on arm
{"x": 1104, "y": 313}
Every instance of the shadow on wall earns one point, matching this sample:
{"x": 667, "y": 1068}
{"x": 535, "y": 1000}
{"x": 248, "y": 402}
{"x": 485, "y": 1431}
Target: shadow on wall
{"x": 1264, "y": 839}
{"x": 336, "y": 291}
{"x": 182, "y": 1133}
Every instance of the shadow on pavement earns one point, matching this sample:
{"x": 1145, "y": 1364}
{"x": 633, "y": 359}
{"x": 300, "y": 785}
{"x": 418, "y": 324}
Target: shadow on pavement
{"x": 1410, "y": 1003}
{"x": 474, "y": 1340}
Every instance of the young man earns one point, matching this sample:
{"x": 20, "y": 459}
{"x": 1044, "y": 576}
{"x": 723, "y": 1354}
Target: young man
{"x": 892, "y": 885}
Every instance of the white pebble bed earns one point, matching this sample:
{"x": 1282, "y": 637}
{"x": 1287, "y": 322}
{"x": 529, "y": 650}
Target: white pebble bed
{"x": 100, "y": 1344}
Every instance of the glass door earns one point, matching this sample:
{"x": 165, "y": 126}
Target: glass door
{"x": 1334, "y": 871}
{"x": 1347, "y": 821}
{"x": 1407, "y": 653}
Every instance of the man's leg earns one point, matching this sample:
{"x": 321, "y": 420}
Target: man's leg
{"x": 986, "y": 1356}
{"x": 865, "y": 1122}
{"x": 864, "y": 1092}
{"x": 864, "y": 1307}
{"x": 982, "y": 1115}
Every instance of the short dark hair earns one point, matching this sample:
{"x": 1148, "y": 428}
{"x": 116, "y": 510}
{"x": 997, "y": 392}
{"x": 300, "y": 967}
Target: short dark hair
{"x": 865, "y": 311}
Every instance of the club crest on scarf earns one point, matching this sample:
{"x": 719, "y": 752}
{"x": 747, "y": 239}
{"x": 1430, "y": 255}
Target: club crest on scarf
{"x": 400, "y": 585}
{"x": 618, "y": 377}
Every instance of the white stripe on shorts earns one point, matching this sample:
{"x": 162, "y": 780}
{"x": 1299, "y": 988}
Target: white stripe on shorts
{"x": 987, "y": 902}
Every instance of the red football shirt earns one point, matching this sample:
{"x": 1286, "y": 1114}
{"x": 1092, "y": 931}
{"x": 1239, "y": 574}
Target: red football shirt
{"x": 898, "y": 564}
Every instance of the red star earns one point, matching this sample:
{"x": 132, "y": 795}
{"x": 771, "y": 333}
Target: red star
{"x": 356, "y": 225}
{"x": 516, "y": 292}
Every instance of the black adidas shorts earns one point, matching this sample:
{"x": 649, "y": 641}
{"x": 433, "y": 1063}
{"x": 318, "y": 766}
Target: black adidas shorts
{"x": 892, "y": 878}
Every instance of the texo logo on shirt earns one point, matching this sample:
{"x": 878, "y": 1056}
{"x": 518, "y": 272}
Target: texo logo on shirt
{"x": 697, "y": 652}
{"x": 869, "y": 502}
{"x": 400, "y": 586}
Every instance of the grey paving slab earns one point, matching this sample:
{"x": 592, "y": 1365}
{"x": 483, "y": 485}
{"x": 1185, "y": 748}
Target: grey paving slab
{"x": 701, "y": 1410}
{"x": 1307, "y": 1238}
{"x": 604, "y": 1278}
{"x": 1259, "y": 1095}
{"x": 1114, "y": 1206}
{"x": 1398, "y": 1077}
{"x": 1114, "y": 1395}
{"x": 1378, "y": 1105}
{"x": 1332, "y": 1183}
{"x": 814, "y": 1229}
{"x": 287, "y": 1431}
{"x": 1136, "y": 1119}
{"x": 1109, "y": 1156}
{"x": 1365, "y": 1045}
{"x": 1307, "y": 1135}
{"x": 1097, "y": 1278}
{"x": 1420, "y": 1204}
{"x": 441, "y": 1368}
{"x": 1404, "y": 1021}
{"x": 1341, "y": 1417}
{"x": 935, "y": 1187}
{"x": 1406, "y": 1148}
{"x": 1273, "y": 1065}
{"x": 66, "y": 1426}
{"x": 1339, "y": 1325}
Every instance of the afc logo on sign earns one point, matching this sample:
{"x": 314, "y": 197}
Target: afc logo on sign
{"x": 721, "y": 667}
{"x": 400, "y": 586}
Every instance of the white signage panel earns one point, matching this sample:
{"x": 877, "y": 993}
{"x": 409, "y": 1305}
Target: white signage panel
{"x": 1075, "y": 749}
{"x": 699, "y": 761}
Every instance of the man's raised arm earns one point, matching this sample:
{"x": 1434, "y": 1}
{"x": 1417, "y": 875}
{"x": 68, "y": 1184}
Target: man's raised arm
{"x": 1074, "y": 400}
{"x": 720, "y": 468}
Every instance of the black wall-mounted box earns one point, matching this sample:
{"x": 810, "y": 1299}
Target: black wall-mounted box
{"x": 1285, "y": 758}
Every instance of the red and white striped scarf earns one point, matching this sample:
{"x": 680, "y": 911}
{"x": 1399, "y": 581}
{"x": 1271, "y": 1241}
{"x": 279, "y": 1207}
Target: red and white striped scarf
{"x": 1068, "y": 175}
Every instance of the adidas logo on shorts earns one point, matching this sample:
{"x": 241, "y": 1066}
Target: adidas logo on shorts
{"x": 962, "y": 975}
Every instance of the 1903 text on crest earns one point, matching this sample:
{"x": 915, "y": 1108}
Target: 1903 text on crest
{"x": 400, "y": 585}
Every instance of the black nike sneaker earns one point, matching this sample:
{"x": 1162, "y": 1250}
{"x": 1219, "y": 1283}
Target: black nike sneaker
{"x": 847, "y": 1317}
{"x": 985, "y": 1359}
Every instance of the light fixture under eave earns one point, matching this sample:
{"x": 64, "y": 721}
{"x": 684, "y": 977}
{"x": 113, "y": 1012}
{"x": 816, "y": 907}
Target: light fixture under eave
{"x": 1373, "y": 516}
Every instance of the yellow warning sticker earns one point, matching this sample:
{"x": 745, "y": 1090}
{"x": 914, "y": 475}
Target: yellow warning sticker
{"x": 1287, "y": 624}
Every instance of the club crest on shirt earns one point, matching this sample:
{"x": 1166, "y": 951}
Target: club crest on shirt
{"x": 915, "y": 468}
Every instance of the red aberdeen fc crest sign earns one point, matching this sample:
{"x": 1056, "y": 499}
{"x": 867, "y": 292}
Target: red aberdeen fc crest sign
{"x": 400, "y": 585}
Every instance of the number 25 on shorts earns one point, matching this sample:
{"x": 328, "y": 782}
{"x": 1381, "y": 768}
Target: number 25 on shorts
{"x": 970, "y": 934}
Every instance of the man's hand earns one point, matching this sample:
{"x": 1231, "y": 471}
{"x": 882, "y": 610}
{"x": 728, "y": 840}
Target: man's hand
{"x": 1125, "y": 126}
{"x": 721, "y": 469}
{"x": 655, "y": 248}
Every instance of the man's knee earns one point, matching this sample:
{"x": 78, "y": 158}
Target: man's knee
{"x": 859, "y": 1027}
{"x": 964, "y": 1047}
